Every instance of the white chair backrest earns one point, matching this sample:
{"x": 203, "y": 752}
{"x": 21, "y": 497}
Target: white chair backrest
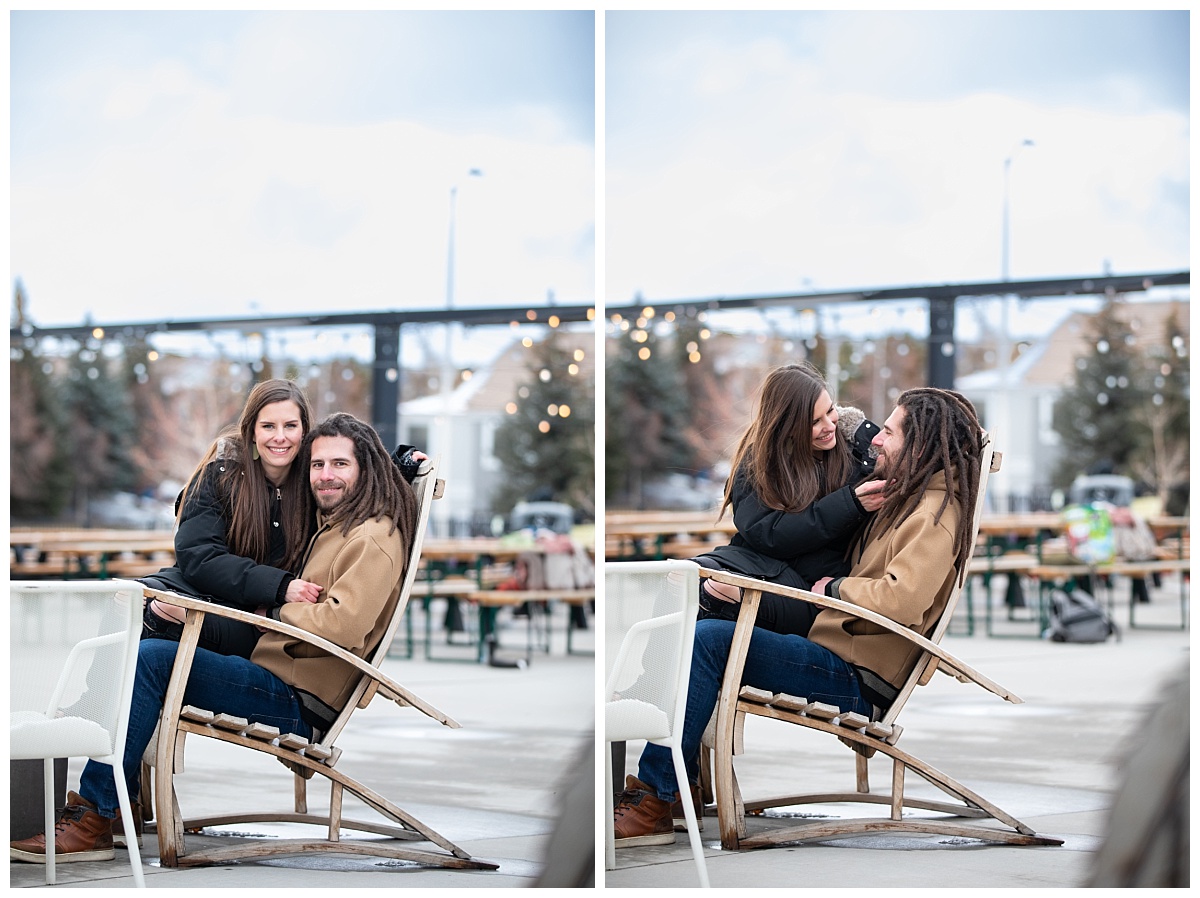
{"x": 73, "y": 651}
{"x": 650, "y": 618}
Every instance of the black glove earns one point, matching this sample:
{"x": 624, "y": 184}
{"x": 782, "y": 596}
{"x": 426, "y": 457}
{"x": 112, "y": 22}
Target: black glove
{"x": 857, "y": 430}
{"x": 403, "y": 457}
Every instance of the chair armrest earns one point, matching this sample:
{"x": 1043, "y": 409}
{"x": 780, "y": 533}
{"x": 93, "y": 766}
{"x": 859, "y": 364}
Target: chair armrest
{"x": 954, "y": 666}
{"x": 196, "y": 606}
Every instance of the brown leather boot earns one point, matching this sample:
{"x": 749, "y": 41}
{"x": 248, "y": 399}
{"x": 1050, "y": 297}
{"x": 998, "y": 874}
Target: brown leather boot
{"x": 677, "y": 817}
{"x": 80, "y": 834}
{"x": 641, "y": 817}
{"x": 118, "y": 828}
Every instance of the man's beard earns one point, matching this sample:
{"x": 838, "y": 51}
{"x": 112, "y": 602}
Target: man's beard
{"x": 330, "y": 503}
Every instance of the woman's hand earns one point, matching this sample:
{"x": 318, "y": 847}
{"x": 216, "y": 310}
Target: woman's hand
{"x": 871, "y": 494}
{"x": 302, "y": 591}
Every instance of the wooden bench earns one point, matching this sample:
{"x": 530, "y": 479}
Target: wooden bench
{"x": 89, "y": 554}
{"x": 490, "y": 601}
{"x": 453, "y": 588}
{"x": 1049, "y": 574}
{"x": 1012, "y": 564}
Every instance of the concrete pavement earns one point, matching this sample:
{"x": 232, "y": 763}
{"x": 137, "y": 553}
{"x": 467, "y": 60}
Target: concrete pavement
{"x": 494, "y": 786}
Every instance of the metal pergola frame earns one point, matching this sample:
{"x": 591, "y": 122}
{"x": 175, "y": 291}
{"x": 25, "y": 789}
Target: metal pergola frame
{"x": 385, "y": 392}
{"x": 941, "y": 298}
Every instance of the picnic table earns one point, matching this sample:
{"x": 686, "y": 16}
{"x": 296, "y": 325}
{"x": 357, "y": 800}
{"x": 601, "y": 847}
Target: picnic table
{"x": 465, "y": 572}
{"x": 88, "y": 553}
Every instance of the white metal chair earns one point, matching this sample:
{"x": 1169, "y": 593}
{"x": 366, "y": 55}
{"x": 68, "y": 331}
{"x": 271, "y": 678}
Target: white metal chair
{"x": 650, "y": 619}
{"x": 72, "y": 682}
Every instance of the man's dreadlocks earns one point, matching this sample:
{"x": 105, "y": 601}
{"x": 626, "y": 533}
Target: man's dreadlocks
{"x": 381, "y": 490}
{"x": 941, "y": 433}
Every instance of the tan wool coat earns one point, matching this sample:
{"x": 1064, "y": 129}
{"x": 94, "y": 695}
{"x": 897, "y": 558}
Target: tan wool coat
{"x": 360, "y": 575}
{"x": 905, "y": 573}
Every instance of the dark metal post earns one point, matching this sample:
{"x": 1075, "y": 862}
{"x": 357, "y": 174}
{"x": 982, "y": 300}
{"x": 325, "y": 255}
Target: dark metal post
{"x": 942, "y": 349}
{"x": 385, "y": 384}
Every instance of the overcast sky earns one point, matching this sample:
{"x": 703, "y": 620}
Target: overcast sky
{"x": 771, "y": 152}
{"x": 171, "y": 164}
{"x": 178, "y": 164}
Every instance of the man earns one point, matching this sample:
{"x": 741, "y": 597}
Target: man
{"x": 365, "y": 522}
{"x": 906, "y": 560}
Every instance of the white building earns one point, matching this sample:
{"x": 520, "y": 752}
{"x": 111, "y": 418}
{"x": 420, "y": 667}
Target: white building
{"x": 1021, "y": 408}
{"x": 460, "y": 429}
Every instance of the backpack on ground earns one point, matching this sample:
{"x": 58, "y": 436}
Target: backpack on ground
{"x": 1077, "y": 617}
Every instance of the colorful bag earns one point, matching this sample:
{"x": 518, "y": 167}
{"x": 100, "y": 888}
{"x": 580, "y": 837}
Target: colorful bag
{"x": 1090, "y": 533}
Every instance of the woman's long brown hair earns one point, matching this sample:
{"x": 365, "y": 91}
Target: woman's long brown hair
{"x": 776, "y": 450}
{"x": 244, "y": 481}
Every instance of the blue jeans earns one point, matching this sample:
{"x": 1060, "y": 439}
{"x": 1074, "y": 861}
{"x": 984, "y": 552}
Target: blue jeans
{"x": 225, "y": 684}
{"x": 776, "y": 662}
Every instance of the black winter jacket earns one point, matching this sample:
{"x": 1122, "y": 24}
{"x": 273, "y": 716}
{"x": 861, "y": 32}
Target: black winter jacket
{"x": 204, "y": 563}
{"x": 790, "y": 548}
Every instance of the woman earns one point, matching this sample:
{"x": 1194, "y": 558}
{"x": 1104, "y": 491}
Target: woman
{"x": 244, "y": 520}
{"x": 798, "y": 494}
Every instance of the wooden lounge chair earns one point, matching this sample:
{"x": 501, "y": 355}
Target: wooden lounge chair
{"x": 305, "y": 759}
{"x": 865, "y": 737}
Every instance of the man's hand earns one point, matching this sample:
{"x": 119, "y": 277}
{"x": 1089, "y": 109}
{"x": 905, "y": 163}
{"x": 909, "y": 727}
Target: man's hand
{"x": 302, "y": 591}
{"x": 871, "y": 494}
{"x": 819, "y": 586}
{"x": 262, "y": 611}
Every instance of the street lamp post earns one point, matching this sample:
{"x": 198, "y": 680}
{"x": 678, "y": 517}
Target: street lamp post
{"x": 1005, "y": 347}
{"x": 1004, "y": 236}
{"x": 446, "y": 385}
{"x": 447, "y": 364}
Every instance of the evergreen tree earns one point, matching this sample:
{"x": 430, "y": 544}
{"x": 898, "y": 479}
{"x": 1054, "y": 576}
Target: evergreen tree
{"x": 1096, "y": 415}
{"x": 39, "y": 453}
{"x": 546, "y": 447}
{"x": 646, "y": 412}
{"x": 708, "y": 425}
{"x": 100, "y": 427}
